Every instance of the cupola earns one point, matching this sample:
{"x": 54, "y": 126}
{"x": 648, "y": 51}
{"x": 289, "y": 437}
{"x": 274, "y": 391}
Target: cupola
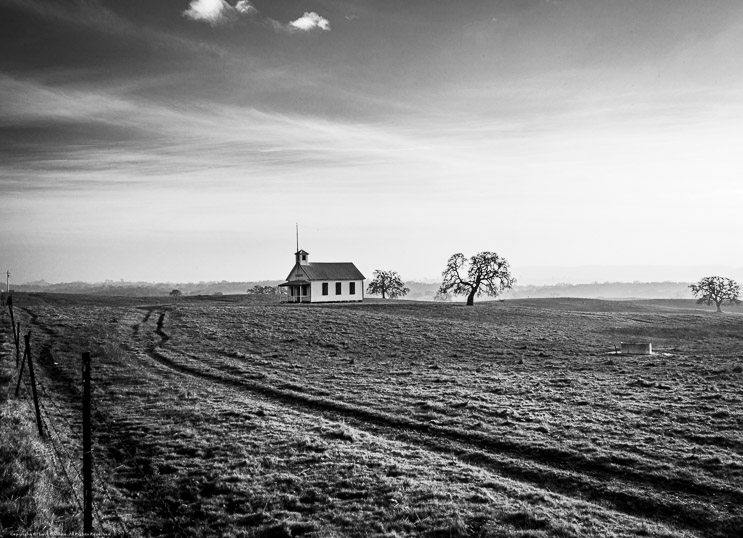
{"x": 302, "y": 257}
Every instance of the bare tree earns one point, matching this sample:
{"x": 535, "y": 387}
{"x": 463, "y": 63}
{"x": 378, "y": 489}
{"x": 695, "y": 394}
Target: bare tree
{"x": 387, "y": 283}
{"x": 485, "y": 272}
{"x": 716, "y": 289}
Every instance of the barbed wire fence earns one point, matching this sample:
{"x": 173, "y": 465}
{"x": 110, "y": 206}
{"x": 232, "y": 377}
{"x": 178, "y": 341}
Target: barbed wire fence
{"x": 70, "y": 444}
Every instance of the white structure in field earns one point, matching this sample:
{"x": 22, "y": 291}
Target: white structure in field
{"x": 636, "y": 348}
{"x": 323, "y": 282}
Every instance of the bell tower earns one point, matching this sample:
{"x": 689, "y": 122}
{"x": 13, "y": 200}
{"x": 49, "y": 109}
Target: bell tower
{"x": 302, "y": 257}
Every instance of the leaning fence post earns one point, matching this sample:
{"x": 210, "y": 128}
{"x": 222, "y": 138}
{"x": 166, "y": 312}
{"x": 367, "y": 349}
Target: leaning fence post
{"x": 87, "y": 455}
{"x": 27, "y": 355}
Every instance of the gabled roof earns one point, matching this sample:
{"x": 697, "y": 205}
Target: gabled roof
{"x": 329, "y": 271}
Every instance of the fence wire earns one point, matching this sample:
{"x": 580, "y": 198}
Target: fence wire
{"x": 63, "y": 459}
{"x": 74, "y": 429}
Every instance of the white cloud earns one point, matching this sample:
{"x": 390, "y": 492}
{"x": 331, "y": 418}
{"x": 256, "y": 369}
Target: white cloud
{"x": 310, "y": 21}
{"x": 211, "y": 11}
{"x": 246, "y": 8}
{"x": 217, "y": 12}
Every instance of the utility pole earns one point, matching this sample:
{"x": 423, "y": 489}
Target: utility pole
{"x": 7, "y": 281}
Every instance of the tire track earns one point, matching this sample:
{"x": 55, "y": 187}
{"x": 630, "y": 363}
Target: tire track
{"x": 568, "y": 473}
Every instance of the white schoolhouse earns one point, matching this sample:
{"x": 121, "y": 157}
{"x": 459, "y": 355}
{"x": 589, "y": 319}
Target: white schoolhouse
{"x": 323, "y": 282}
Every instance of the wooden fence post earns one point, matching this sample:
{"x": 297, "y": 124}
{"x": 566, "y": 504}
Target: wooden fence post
{"x": 27, "y": 351}
{"x": 87, "y": 455}
{"x": 27, "y": 356}
{"x": 16, "y": 334}
{"x": 16, "y": 338}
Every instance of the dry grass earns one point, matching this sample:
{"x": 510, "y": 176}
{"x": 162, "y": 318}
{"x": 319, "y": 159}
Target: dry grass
{"x": 33, "y": 497}
{"x": 240, "y": 418}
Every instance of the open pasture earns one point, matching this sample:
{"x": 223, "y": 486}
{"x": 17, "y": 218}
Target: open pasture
{"x": 234, "y": 417}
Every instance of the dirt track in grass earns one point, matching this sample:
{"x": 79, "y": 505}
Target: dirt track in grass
{"x": 231, "y": 417}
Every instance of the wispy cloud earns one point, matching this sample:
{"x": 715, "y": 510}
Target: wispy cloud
{"x": 87, "y": 13}
{"x": 92, "y": 15}
{"x": 25, "y": 100}
{"x": 66, "y": 133}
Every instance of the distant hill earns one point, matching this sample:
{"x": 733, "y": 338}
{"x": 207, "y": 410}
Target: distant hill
{"x": 142, "y": 289}
{"x": 419, "y": 291}
{"x": 606, "y": 290}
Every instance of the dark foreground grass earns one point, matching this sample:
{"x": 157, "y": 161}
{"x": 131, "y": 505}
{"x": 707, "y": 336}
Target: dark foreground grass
{"x": 33, "y": 499}
{"x": 232, "y": 418}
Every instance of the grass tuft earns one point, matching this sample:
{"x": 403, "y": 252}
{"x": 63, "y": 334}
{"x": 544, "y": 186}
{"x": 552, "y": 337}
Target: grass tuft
{"x": 31, "y": 501}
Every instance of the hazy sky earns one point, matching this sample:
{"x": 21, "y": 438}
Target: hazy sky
{"x": 178, "y": 140}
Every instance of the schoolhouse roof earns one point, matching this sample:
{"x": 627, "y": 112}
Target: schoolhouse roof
{"x": 330, "y": 271}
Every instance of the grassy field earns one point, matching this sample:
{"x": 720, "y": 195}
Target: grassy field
{"x": 233, "y": 417}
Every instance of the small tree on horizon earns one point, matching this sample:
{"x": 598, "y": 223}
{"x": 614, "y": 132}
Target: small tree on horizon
{"x": 387, "y": 283}
{"x": 716, "y": 289}
{"x": 486, "y": 272}
{"x": 264, "y": 290}
{"x": 175, "y": 293}
{"x": 444, "y": 297}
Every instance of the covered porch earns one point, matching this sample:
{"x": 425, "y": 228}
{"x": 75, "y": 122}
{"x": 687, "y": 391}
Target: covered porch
{"x": 300, "y": 291}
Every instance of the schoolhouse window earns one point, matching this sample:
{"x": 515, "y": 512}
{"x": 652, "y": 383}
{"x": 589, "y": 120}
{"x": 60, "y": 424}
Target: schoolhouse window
{"x": 338, "y": 288}
{"x": 324, "y": 288}
{"x": 352, "y": 288}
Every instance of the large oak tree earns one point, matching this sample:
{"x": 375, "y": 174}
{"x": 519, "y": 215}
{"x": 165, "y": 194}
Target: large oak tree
{"x": 485, "y": 272}
{"x": 716, "y": 289}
